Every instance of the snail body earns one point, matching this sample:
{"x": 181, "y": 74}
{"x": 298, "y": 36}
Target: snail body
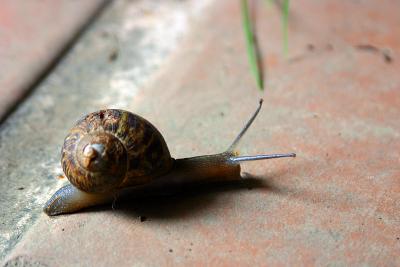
{"x": 112, "y": 150}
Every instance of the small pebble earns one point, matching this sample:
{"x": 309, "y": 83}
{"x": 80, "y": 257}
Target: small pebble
{"x": 386, "y": 56}
{"x": 113, "y": 55}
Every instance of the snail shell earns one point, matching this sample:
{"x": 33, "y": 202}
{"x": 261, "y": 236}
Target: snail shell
{"x": 112, "y": 148}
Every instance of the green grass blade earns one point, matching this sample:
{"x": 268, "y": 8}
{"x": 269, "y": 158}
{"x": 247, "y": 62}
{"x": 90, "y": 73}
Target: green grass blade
{"x": 269, "y": 2}
{"x": 285, "y": 23}
{"x": 251, "y": 46}
{"x": 285, "y": 20}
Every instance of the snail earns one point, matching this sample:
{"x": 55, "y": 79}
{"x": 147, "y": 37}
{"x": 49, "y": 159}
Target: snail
{"x": 113, "y": 150}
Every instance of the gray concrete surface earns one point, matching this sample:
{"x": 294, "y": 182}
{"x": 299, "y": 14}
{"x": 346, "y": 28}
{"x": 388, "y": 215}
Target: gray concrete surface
{"x": 106, "y": 68}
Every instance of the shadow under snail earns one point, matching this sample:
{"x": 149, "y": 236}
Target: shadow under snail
{"x": 112, "y": 150}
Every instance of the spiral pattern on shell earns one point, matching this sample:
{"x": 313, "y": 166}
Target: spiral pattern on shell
{"x": 111, "y": 149}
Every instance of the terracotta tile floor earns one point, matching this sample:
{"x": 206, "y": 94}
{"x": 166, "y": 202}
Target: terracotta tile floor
{"x": 334, "y": 100}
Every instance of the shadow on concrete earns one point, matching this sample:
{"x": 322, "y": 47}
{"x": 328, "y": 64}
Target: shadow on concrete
{"x": 183, "y": 201}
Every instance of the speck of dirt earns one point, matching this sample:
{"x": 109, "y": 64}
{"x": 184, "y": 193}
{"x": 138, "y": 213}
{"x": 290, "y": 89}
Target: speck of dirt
{"x": 380, "y": 218}
{"x": 190, "y": 249}
{"x": 367, "y": 47}
{"x": 370, "y": 48}
{"x": 222, "y": 114}
{"x": 170, "y": 250}
{"x": 113, "y": 55}
{"x": 62, "y": 229}
{"x": 60, "y": 176}
{"x": 386, "y": 56}
{"x": 142, "y": 218}
{"x": 398, "y": 238}
{"x": 20, "y": 188}
{"x": 310, "y": 47}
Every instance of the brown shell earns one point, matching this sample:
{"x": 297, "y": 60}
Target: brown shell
{"x": 145, "y": 154}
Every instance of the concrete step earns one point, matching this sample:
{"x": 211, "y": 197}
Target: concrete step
{"x": 33, "y": 35}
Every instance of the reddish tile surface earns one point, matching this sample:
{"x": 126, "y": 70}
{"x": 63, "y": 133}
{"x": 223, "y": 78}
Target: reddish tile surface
{"x": 32, "y": 35}
{"x": 337, "y": 106}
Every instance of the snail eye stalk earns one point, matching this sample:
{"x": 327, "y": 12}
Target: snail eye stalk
{"x": 235, "y": 158}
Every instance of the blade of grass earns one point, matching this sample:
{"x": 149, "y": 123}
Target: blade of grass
{"x": 285, "y": 19}
{"x": 269, "y": 2}
{"x": 251, "y": 46}
{"x": 284, "y": 5}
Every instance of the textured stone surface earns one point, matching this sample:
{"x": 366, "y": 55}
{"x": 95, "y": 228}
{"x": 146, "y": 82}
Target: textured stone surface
{"x": 32, "y": 35}
{"x": 334, "y": 100}
{"x": 104, "y": 69}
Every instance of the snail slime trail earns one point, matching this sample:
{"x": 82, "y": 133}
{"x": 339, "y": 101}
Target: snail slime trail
{"x": 112, "y": 151}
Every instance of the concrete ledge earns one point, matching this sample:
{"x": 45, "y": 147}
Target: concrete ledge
{"x": 32, "y": 36}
